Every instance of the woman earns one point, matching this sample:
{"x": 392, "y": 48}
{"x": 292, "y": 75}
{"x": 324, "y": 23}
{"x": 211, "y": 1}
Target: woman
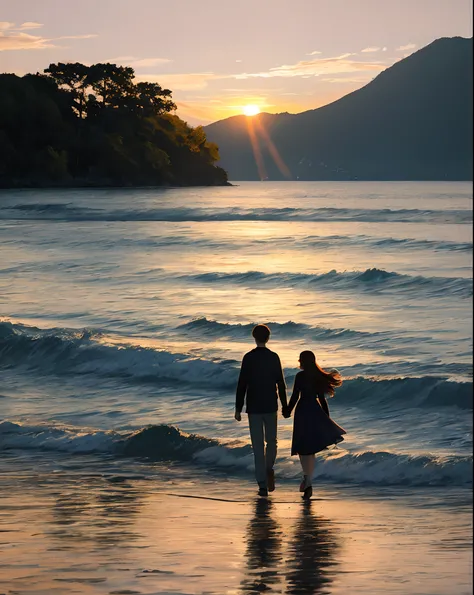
{"x": 313, "y": 429}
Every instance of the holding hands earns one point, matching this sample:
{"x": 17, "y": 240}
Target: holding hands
{"x": 286, "y": 412}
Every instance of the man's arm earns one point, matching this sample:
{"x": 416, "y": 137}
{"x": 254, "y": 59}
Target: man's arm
{"x": 281, "y": 384}
{"x": 241, "y": 389}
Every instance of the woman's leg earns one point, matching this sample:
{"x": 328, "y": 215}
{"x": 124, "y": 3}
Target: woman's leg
{"x": 307, "y": 464}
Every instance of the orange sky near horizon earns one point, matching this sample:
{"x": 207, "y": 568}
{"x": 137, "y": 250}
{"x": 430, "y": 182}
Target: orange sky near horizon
{"x": 218, "y": 58}
{"x": 205, "y": 113}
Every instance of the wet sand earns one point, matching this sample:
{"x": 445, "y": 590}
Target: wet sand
{"x": 108, "y": 534}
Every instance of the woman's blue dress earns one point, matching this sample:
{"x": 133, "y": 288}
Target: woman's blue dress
{"x": 313, "y": 429}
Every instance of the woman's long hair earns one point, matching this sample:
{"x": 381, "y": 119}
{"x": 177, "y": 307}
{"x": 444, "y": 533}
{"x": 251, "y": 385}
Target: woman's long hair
{"x": 324, "y": 382}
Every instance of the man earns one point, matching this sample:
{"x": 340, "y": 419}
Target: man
{"x": 260, "y": 377}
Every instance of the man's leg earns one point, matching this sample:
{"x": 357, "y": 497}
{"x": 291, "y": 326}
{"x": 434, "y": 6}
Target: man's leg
{"x": 257, "y": 438}
{"x": 271, "y": 423}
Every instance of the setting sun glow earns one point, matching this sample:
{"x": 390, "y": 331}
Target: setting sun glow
{"x": 251, "y": 110}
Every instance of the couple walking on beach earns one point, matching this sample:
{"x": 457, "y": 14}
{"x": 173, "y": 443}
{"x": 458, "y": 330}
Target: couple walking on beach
{"x": 261, "y": 383}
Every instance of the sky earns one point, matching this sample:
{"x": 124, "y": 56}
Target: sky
{"x": 220, "y": 56}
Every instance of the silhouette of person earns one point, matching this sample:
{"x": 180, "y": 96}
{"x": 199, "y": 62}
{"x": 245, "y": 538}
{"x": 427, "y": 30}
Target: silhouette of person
{"x": 261, "y": 383}
{"x": 264, "y": 555}
{"x": 311, "y": 554}
{"x": 313, "y": 428}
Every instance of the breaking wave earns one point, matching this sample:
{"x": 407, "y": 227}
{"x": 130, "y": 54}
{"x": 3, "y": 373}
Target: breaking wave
{"x": 84, "y": 351}
{"x": 212, "y": 328}
{"x": 78, "y": 352}
{"x": 167, "y": 443}
{"x": 313, "y": 242}
{"x": 68, "y": 212}
{"x": 387, "y": 243}
{"x": 373, "y": 279}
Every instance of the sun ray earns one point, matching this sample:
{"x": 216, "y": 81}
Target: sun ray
{"x": 273, "y": 150}
{"x": 257, "y": 153}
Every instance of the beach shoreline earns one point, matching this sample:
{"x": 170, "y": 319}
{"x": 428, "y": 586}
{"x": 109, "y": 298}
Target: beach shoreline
{"x": 177, "y": 531}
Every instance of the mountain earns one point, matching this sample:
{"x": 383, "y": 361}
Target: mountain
{"x": 412, "y": 122}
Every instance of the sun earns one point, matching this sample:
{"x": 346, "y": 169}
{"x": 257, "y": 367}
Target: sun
{"x": 251, "y": 110}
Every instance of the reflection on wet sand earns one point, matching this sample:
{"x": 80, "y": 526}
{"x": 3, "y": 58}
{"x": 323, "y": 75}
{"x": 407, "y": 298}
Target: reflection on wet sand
{"x": 264, "y": 556}
{"x": 95, "y": 511}
{"x": 303, "y": 567}
{"x": 311, "y": 554}
{"x": 96, "y": 533}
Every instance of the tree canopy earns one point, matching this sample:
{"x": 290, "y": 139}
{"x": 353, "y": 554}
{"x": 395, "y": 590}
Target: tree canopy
{"x": 96, "y": 125}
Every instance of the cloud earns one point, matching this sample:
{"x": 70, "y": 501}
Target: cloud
{"x": 196, "y": 81}
{"x": 315, "y": 53}
{"x": 87, "y": 36}
{"x": 370, "y": 50}
{"x": 408, "y": 46}
{"x": 237, "y": 92}
{"x": 14, "y": 38}
{"x": 23, "y": 41}
{"x": 149, "y": 62}
{"x": 180, "y": 82}
{"x": 30, "y": 25}
{"x": 139, "y": 62}
{"x": 120, "y": 60}
{"x": 195, "y": 114}
{"x": 321, "y": 66}
{"x": 353, "y": 80}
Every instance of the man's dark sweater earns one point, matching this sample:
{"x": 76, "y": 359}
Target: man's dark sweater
{"x": 259, "y": 378}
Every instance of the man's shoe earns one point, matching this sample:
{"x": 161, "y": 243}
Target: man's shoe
{"x": 308, "y": 493}
{"x": 263, "y": 492}
{"x": 271, "y": 480}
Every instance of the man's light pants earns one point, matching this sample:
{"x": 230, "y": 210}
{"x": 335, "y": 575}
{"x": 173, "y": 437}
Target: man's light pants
{"x": 263, "y": 434}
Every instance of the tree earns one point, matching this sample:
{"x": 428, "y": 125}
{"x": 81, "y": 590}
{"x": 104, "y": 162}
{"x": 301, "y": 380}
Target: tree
{"x": 82, "y": 125}
{"x": 112, "y": 84}
{"x": 74, "y": 77}
{"x": 153, "y": 99}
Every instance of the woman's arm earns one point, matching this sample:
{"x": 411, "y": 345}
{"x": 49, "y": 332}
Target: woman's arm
{"x": 295, "y": 395}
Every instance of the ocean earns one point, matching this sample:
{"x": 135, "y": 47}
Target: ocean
{"x": 125, "y": 314}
